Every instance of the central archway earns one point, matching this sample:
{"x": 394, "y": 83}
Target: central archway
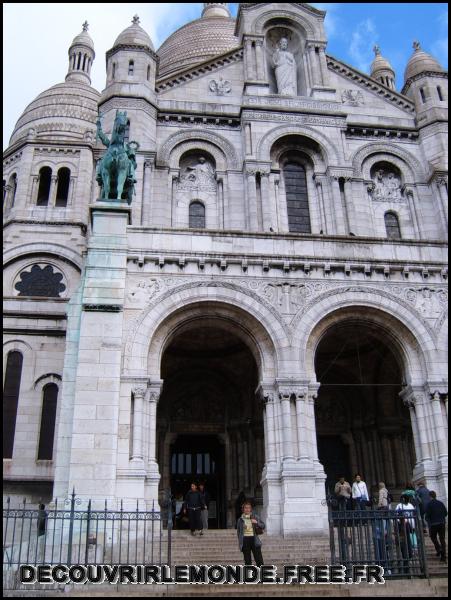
{"x": 209, "y": 422}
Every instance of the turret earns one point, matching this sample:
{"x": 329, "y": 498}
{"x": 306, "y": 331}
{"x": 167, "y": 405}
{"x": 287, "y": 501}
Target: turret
{"x": 382, "y": 71}
{"x": 81, "y": 57}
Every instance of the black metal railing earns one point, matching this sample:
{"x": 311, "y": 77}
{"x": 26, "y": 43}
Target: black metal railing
{"x": 389, "y": 538}
{"x": 66, "y": 534}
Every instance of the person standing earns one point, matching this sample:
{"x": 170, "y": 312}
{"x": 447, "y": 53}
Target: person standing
{"x": 205, "y": 502}
{"x": 359, "y": 493}
{"x": 193, "y": 500}
{"x": 424, "y": 498}
{"x": 406, "y": 531}
{"x": 436, "y": 514}
{"x": 343, "y": 492}
{"x": 382, "y": 502}
{"x": 248, "y": 540}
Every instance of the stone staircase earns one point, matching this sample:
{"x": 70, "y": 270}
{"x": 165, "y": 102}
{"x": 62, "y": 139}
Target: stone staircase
{"x": 221, "y": 547}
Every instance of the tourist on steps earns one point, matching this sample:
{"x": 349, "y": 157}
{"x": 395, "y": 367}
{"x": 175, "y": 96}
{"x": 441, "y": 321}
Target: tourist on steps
{"x": 343, "y": 493}
{"x": 194, "y": 505}
{"x": 359, "y": 493}
{"x": 436, "y": 514}
{"x": 248, "y": 526}
{"x": 424, "y": 497}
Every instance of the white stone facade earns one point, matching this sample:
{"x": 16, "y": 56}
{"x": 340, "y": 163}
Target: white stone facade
{"x": 135, "y": 276}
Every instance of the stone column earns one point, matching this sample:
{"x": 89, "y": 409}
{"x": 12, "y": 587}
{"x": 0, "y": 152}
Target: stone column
{"x": 338, "y": 206}
{"x": 314, "y": 68}
{"x": 323, "y": 66}
{"x": 349, "y": 207}
{"x": 440, "y": 434}
{"x": 267, "y": 213}
{"x": 260, "y": 60}
{"x": 153, "y": 398}
{"x": 145, "y": 208}
{"x": 322, "y": 209}
{"x": 138, "y": 416}
{"x": 53, "y": 190}
{"x": 285, "y": 396}
{"x": 248, "y": 139}
{"x": 443, "y": 196}
{"x": 252, "y": 200}
{"x": 249, "y": 60}
{"x": 301, "y": 424}
{"x": 408, "y": 190}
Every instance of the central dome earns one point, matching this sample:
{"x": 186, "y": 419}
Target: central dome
{"x": 197, "y": 42}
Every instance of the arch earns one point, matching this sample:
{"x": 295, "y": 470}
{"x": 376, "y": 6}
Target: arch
{"x": 331, "y": 154}
{"x": 414, "y": 339}
{"x": 12, "y": 383}
{"x": 41, "y": 249}
{"x": 297, "y": 197}
{"x": 50, "y": 393}
{"x": 308, "y": 29}
{"x": 408, "y": 162}
{"x": 148, "y": 335}
{"x": 177, "y": 144}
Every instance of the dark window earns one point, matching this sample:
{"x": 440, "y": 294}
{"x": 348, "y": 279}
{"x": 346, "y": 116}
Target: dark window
{"x": 4, "y": 191}
{"x": 48, "y": 418}
{"x": 131, "y": 67}
{"x": 84, "y": 61}
{"x": 79, "y": 60}
{"x": 62, "y": 190}
{"x": 40, "y": 282}
{"x": 45, "y": 179}
{"x": 439, "y": 92}
{"x": 10, "y": 400}
{"x": 113, "y": 75}
{"x": 197, "y": 215}
{"x": 297, "y": 198}
{"x": 127, "y": 132}
{"x": 392, "y": 226}
{"x": 148, "y": 73}
{"x": 423, "y": 97}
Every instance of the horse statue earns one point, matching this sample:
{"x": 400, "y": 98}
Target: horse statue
{"x": 116, "y": 169}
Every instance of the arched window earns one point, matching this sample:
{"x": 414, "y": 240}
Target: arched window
{"x": 113, "y": 75}
{"x": 148, "y": 72}
{"x": 85, "y": 56}
{"x": 45, "y": 179}
{"x": 10, "y": 190}
{"x": 423, "y": 96}
{"x": 297, "y": 198}
{"x": 197, "y": 215}
{"x": 392, "y": 226}
{"x": 62, "y": 190}
{"x": 131, "y": 67}
{"x": 79, "y": 60}
{"x": 10, "y": 400}
{"x": 440, "y": 94}
{"x": 48, "y": 419}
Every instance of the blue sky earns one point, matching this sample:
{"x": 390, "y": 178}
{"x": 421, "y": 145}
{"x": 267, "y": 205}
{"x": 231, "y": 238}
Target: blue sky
{"x": 36, "y": 38}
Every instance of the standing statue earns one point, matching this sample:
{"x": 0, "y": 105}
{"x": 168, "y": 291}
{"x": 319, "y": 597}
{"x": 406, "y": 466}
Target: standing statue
{"x": 200, "y": 176}
{"x": 116, "y": 169}
{"x": 285, "y": 67}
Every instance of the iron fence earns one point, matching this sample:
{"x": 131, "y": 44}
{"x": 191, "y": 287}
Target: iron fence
{"x": 393, "y": 539}
{"x": 66, "y": 534}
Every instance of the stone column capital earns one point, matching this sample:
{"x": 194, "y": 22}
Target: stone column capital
{"x": 154, "y": 391}
{"x": 139, "y": 391}
{"x": 265, "y": 394}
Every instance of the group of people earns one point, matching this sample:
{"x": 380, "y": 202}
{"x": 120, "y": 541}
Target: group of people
{"x": 193, "y": 508}
{"x": 433, "y": 512}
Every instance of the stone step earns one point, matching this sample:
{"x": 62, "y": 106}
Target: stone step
{"x": 415, "y": 588}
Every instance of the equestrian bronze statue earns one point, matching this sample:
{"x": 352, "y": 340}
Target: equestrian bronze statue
{"x": 116, "y": 169}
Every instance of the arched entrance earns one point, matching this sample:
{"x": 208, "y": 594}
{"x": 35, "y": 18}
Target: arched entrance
{"x": 362, "y": 424}
{"x": 209, "y": 421}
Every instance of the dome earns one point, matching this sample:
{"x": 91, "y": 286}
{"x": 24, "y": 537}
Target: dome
{"x": 421, "y": 62}
{"x": 134, "y": 36}
{"x": 197, "y": 42}
{"x": 380, "y": 63}
{"x": 83, "y": 38}
{"x": 66, "y": 110}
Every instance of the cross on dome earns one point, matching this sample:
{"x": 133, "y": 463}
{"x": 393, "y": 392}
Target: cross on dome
{"x": 377, "y": 50}
{"x": 135, "y": 20}
{"x": 416, "y": 45}
{"x": 85, "y": 26}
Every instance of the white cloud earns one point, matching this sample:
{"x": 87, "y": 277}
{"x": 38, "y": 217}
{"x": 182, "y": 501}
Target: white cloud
{"x": 363, "y": 39}
{"x": 440, "y": 47}
{"x": 331, "y": 22}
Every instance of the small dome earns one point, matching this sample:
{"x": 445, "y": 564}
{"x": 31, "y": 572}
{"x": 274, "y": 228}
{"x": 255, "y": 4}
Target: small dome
{"x": 197, "y": 42}
{"x": 421, "y": 62}
{"x": 380, "y": 63}
{"x": 66, "y": 110}
{"x": 134, "y": 36}
{"x": 83, "y": 38}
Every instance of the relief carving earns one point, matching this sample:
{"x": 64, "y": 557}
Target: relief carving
{"x": 352, "y": 97}
{"x": 198, "y": 175}
{"x": 221, "y": 87}
{"x": 387, "y": 187}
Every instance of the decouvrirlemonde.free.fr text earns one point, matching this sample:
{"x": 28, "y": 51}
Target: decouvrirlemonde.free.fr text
{"x": 200, "y": 574}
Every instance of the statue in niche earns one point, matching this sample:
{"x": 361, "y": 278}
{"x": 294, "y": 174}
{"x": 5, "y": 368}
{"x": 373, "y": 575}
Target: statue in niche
{"x": 200, "y": 176}
{"x": 387, "y": 186}
{"x": 284, "y": 64}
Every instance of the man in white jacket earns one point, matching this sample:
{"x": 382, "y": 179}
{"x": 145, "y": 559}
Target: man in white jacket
{"x": 359, "y": 493}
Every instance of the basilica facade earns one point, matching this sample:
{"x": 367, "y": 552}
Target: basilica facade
{"x": 266, "y": 310}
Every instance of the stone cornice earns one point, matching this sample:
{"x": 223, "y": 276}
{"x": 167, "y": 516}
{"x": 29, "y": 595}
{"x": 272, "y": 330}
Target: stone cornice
{"x": 199, "y": 70}
{"x": 381, "y": 133}
{"x": 365, "y": 80}
{"x": 79, "y": 224}
{"x": 133, "y": 47}
{"x": 408, "y": 83}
